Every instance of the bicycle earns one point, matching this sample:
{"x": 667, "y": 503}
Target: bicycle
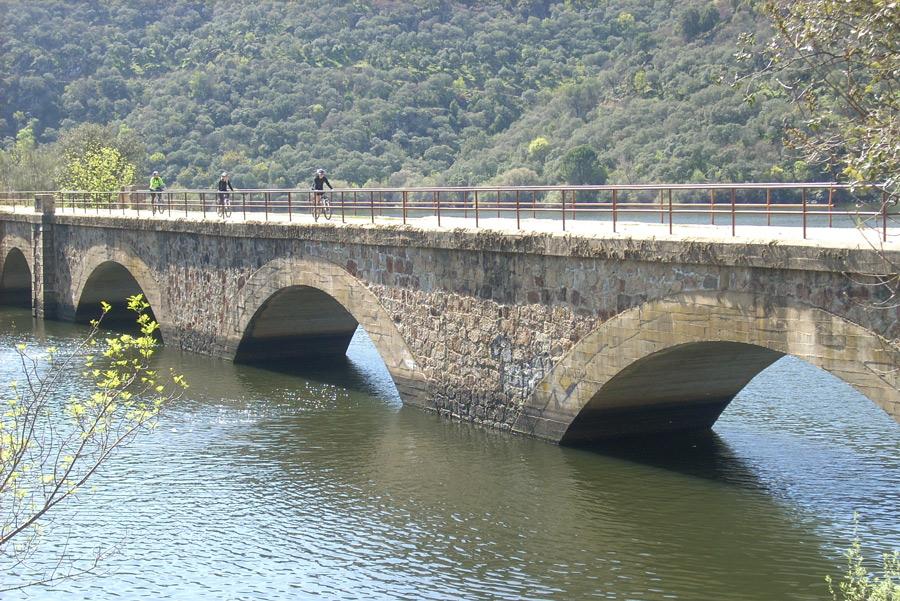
{"x": 223, "y": 206}
{"x": 321, "y": 205}
{"x": 156, "y": 203}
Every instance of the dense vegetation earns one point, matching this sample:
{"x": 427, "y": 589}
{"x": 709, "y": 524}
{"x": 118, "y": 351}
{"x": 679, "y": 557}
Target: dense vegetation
{"x": 391, "y": 92}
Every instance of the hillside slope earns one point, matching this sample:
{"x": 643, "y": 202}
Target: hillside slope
{"x": 396, "y": 92}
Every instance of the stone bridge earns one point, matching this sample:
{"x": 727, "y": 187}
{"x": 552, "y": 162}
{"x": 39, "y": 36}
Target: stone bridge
{"x": 563, "y": 337}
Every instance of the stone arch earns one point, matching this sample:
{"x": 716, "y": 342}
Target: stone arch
{"x": 16, "y": 277}
{"x": 111, "y": 274}
{"x": 701, "y": 348}
{"x": 323, "y": 302}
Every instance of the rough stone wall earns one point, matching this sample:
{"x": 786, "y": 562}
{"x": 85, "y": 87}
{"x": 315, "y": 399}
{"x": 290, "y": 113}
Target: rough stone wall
{"x": 487, "y": 316}
{"x": 17, "y": 232}
{"x": 24, "y": 233}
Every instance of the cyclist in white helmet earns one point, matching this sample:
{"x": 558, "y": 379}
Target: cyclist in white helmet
{"x": 321, "y": 180}
{"x": 224, "y": 186}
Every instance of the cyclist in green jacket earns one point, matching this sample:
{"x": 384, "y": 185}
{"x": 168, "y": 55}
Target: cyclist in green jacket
{"x": 157, "y": 185}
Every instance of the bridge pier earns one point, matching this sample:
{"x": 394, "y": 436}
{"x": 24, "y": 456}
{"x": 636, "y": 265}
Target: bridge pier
{"x": 45, "y": 302}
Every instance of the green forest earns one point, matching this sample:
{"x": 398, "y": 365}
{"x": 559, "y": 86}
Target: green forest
{"x": 383, "y": 92}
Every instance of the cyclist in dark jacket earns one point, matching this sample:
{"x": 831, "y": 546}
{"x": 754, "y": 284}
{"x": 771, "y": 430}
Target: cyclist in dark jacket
{"x": 320, "y": 179}
{"x": 318, "y": 186}
{"x": 224, "y": 186}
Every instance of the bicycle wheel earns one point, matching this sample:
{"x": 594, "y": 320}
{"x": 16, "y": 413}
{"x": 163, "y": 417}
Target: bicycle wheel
{"x": 226, "y": 208}
{"x": 326, "y": 206}
{"x": 315, "y": 208}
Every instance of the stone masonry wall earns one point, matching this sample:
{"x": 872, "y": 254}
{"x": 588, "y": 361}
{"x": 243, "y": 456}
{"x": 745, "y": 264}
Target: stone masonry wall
{"x": 486, "y": 315}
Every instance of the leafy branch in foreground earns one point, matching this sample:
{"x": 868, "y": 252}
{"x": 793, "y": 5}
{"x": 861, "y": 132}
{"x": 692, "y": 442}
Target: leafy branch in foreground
{"x": 857, "y": 584}
{"x": 50, "y": 447}
{"x": 840, "y": 63}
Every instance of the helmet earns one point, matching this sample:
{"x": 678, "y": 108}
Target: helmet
{"x": 156, "y": 173}
{"x": 320, "y": 172}
{"x": 224, "y": 174}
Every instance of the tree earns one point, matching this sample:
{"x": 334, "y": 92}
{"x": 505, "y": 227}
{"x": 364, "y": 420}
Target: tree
{"x": 517, "y": 176}
{"x": 857, "y": 584}
{"x": 580, "y": 166}
{"x": 50, "y": 447}
{"x": 102, "y": 169}
{"x": 538, "y": 148}
{"x": 689, "y": 23}
{"x": 25, "y": 165}
{"x": 840, "y": 61}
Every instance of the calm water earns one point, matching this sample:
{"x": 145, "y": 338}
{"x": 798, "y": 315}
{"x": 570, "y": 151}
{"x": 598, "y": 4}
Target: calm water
{"x": 288, "y": 485}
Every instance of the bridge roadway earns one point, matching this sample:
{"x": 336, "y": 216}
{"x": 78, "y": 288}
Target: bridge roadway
{"x": 569, "y": 337}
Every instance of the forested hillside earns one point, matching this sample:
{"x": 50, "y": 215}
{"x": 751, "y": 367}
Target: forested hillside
{"x": 399, "y": 93}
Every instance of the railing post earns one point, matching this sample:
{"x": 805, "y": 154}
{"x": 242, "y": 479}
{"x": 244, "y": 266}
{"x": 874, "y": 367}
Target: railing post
{"x": 343, "y": 214}
{"x": 518, "y": 220}
{"x": 733, "y": 212}
{"x": 289, "y": 207}
{"x": 185, "y": 204}
{"x": 244, "y": 205}
{"x": 574, "y": 202}
{"x": 203, "y": 203}
{"x": 884, "y": 215}
{"x": 662, "y": 212}
{"x": 266, "y": 201}
{"x": 498, "y": 204}
{"x": 830, "y": 204}
{"x": 403, "y": 197}
{"x": 712, "y": 206}
{"x": 615, "y": 202}
{"x": 564, "y": 209}
{"x": 670, "y": 211}
{"x": 371, "y": 205}
{"x": 437, "y": 204}
{"x": 533, "y": 205}
{"x": 804, "y": 212}
{"x": 476, "y": 209}
{"x": 768, "y": 206}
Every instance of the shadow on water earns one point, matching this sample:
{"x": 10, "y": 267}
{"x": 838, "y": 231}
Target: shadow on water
{"x": 335, "y": 371}
{"x": 700, "y": 454}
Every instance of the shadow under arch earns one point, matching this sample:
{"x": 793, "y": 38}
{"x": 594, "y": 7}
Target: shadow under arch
{"x": 297, "y": 322}
{"x": 303, "y": 308}
{"x": 15, "y": 280}
{"x": 674, "y": 364}
{"x": 111, "y": 275}
{"x": 112, "y": 283}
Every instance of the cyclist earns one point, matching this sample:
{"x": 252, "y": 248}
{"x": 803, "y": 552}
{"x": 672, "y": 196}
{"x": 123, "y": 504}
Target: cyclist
{"x": 319, "y": 182}
{"x": 157, "y": 185}
{"x": 224, "y": 186}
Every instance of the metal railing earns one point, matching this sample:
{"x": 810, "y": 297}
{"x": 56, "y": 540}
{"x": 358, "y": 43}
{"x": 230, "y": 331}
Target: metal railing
{"x": 793, "y": 205}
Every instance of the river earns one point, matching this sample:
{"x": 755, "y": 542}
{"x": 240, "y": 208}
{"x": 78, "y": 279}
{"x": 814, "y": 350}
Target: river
{"x": 293, "y": 483}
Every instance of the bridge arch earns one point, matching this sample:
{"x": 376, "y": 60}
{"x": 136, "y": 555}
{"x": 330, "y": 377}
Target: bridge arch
{"x": 112, "y": 274}
{"x": 293, "y": 307}
{"x": 676, "y": 363}
{"x": 16, "y": 279}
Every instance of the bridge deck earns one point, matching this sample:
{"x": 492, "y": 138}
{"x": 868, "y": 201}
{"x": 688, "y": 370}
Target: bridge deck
{"x": 866, "y": 236}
